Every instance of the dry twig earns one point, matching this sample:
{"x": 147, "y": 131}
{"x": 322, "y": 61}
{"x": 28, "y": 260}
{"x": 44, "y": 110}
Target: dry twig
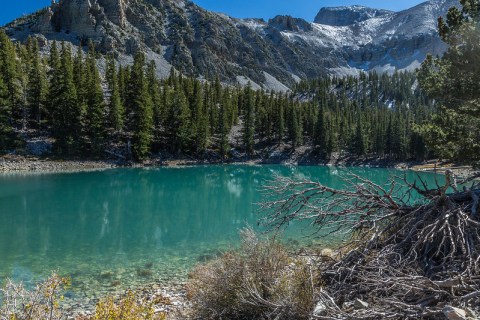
{"x": 412, "y": 251}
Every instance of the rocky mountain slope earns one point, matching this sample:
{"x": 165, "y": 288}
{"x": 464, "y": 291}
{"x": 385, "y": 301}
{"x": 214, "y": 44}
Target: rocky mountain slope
{"x": 273, "y": 54}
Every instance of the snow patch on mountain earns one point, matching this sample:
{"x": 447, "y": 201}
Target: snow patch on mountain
{"x": 270, "y": 55}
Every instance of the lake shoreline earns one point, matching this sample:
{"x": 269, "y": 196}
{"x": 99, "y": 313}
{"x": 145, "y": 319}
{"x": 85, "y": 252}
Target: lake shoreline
{"x": 26, "y": 164}
{"x": 168, "y": 299}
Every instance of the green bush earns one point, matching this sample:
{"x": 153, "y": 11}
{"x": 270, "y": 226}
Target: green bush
{"x": 258, "y": 281}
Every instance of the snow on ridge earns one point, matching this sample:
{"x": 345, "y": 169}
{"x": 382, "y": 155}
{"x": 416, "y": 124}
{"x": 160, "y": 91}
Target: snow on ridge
{"x": 407, "y": 23}
{"x": 254, "y": 24}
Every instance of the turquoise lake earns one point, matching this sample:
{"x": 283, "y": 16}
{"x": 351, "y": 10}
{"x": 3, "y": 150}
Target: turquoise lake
{"x": 116, "y": 229}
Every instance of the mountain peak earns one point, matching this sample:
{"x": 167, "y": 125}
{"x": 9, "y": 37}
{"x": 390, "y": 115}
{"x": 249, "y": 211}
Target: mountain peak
{"x": 282, "y": 22}
{"x": 345, "y": 16}
{"x": 273, "y": 54}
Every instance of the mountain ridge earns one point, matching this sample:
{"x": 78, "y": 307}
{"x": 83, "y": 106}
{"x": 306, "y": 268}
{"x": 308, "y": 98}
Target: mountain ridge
{"x": 347, "y": 15}
{"x": 273, "y": 55}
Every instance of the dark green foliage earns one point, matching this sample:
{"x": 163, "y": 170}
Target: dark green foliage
{"x": 224, "y": 125}
{"x": 116, "y": 112}
{"x": 199, "y": 115}
{"x": 80, "y": 72}
{"x": 154, "y": 90}
{"x": 454, "y": 80}
{"x": 95, "y": 106}
{"x": 248, "y": 120}
{"x": 37, "y": 85}
{"x": 372, "y": 115}
{"x": 5, "y": 112}
{"x": 321, "y": 135}
{"x": 134, "y": 114}
{"x": 66, "y": 111}
{"x": 182, "y": 125}
{"x": 10, "y": 76}
{"x": 359, "y": 139}
{"x": 141, "y": 109}
{"x": 294, "y": 124}
{"x": 279, "y": 119}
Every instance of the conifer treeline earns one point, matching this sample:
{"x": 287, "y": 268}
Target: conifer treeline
{"x": 128, "y": 110}
{"x": 369, "y": 114}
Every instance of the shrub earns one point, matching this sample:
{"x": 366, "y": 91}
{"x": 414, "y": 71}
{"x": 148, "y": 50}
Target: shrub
{"x": 126, "y": 308}
{"x": 40, "y": 303}
{"x": 257, "y": 281}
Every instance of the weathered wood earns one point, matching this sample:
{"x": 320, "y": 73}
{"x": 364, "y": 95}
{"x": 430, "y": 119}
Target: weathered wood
{"x": 405, "y": 260}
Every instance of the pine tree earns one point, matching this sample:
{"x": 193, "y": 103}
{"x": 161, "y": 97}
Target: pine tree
{"x": 115, "y": 107}
{"x": 54, "y": 78}
{"x": 321, "y": 138}
{"x": 9, "y": 72}
{"x": 182, "y": 122}
{"x": 140, "y": 103}
{"x": 95, "y": 106}
{"x": 248, "y": 120}
{"x": 280, "y": 119}
{"x": 454, "y": 81}
{"x": 23, "y": 64}
{"x": 5, "y": 111}
{"x": 157, "y": 105}
{"x": 80, "y": 71}
{"x": 37, "y": 86}
{"x": 200, "y": 117}
{"x": 224, "y": 127}
{"x": 359, "y": 139}
{"x": 294, "y": 124}
{"x": 67, "y": 113}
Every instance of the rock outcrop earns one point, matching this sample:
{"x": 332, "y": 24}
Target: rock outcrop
{"x": 346, "y": 16}
{"x": 271, "y": 54}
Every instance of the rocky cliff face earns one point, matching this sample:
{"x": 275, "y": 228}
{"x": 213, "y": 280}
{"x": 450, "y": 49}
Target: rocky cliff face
{"x": 273, "y": 54}
{"x": 345, "y": 16}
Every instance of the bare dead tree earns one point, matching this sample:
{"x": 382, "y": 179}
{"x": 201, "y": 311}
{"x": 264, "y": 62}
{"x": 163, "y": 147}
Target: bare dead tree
{"x": 411, "y": 251}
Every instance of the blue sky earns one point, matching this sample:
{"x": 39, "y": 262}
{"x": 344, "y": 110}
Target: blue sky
{"x": 266, "y": 9}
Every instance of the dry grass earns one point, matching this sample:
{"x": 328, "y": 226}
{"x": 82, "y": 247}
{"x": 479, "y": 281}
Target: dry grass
{"x": 258, "y": 281}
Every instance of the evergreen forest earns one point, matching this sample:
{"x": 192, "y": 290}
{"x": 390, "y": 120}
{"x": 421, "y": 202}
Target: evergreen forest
{"x": 94, "y": 112}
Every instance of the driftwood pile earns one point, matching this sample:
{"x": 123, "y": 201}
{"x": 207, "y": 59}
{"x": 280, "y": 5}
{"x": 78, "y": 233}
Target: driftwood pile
{"x": 414, "y": 251}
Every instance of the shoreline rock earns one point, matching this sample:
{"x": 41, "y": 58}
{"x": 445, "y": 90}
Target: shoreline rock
{"x": 25, "y": 164}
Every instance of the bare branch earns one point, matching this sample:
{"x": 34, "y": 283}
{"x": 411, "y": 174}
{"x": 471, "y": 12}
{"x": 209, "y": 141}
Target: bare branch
{"x": 408, "y": 256}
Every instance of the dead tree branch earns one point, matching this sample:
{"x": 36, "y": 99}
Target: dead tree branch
{"x": 411, "y": 252}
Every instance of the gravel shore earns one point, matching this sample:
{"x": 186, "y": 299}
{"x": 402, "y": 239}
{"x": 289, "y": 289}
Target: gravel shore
{"x": 22, "y": 164}
{"x": 26, "y": 164}
{"x": 170, "y": 300}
